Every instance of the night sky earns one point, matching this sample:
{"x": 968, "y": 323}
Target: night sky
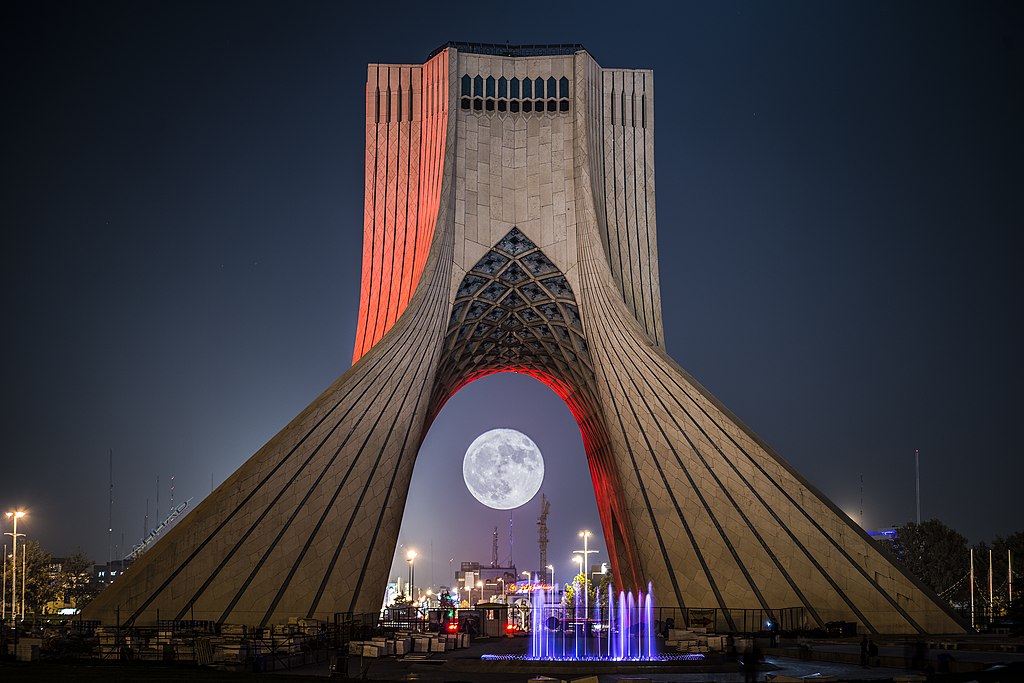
{"x": 840, "y": 194}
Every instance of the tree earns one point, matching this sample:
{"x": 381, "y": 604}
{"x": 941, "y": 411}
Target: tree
{"x": 76, "y": 580}
{"x": 569, "y": 594}
{"x": 597, "y": 594}
{"x": 603, "y": 585}
{"x": 37, "y": 573}
{"x": 937, "y": 555}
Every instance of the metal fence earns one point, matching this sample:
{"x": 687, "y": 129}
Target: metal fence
{"x": 348, "y": 626}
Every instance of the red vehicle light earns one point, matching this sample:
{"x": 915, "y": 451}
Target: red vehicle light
{"x": 453, "y": 626}
{"x": 510, "y": 627}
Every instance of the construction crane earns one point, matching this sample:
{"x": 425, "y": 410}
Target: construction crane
{"x": 542, "y": 531}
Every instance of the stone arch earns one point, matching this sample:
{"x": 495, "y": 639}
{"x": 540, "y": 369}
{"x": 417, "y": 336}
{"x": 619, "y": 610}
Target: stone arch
{"x": 514, "y": 311}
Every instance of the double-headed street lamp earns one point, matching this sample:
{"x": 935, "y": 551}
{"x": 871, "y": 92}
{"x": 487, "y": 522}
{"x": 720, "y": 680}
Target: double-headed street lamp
{"x": 585, "y": 535}
{"x": 15, "y": 515}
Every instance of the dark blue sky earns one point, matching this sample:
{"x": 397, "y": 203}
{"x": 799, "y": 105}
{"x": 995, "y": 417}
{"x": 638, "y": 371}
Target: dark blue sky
{"x": 839, "y": 213}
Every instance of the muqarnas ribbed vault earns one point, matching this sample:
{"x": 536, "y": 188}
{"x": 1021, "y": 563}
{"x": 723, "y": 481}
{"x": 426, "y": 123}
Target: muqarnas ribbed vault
{"x": 510, "y": 226}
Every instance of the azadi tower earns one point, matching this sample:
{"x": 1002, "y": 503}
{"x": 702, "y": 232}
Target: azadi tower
{"x": 509, "y": 225}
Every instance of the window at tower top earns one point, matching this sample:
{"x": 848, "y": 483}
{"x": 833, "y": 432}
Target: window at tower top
{"x": 489, "y": 94}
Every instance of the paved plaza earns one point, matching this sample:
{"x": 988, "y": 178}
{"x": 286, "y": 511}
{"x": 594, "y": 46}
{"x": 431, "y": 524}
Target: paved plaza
{"x": 981, "y": 659}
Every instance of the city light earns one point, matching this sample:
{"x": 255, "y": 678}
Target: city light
{"x": 16, "y": 515}
{"x": 585, "y": 535}
{"x": 410, "y": 557}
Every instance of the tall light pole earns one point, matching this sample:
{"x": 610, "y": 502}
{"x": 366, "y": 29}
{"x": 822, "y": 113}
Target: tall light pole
{"x": 585, "y": 535}
{"x": 410, "y": 557}
{"x": 480, "y": 585}
{"x": 15, "y": 515}
{"x": 551, "y": 568}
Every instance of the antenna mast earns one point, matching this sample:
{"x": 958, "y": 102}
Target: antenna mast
{"x": 494, "y": 548}
{"x": 110, "y": 513}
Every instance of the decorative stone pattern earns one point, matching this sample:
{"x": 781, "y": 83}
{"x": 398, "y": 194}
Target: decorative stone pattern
{"x": 496, "y": 241}
{"x": 406, "y": 127}
{"x": 627, "y": 115}
{"x": 514, "y": 311}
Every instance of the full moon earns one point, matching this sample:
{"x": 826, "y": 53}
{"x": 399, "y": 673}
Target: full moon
{"x": 503, "y": 469}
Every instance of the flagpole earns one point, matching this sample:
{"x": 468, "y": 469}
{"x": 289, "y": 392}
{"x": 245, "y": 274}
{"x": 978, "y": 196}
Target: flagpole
{"x": 972, "y": 589}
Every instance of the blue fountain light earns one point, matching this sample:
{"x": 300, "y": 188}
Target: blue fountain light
{"x": 623, "y": 632}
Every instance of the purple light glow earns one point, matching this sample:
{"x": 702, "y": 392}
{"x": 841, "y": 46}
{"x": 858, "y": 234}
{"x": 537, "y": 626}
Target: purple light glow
{"x": 622, "y": 633}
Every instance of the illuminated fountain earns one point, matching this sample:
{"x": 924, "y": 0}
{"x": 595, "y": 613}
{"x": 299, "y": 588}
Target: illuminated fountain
{"x": 623, "y": 631}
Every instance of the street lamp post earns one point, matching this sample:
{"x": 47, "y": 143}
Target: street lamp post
{"x": 585, "y": 535}
{"x": 410, "y": 557}
{"x": 480, "y": 585}
{"x": 15, "y": 515}
{"x": 503, "y": 598}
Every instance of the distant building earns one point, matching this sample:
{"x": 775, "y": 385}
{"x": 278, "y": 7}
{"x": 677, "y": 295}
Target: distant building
{"x": 884, "y": 535}
{"x": 69, "y": 585}
{"x": 496, "y": 582}
{"x": 106, "y": 574}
